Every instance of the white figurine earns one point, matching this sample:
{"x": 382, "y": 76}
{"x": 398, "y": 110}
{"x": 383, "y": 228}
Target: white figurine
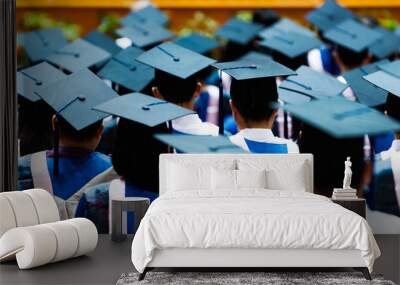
{"x": 347, "y": 174}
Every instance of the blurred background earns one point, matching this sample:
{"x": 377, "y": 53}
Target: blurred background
{"x": 78, "y": 17}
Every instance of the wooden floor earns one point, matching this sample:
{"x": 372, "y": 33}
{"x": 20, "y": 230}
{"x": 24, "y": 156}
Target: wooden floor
{"x": 110, "y": 260}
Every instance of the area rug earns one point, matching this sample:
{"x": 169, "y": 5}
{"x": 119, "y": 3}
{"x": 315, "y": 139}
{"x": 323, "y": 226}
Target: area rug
{"x": 244, "y": 278}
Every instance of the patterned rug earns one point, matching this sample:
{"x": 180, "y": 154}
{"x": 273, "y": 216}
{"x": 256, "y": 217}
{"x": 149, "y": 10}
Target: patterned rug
{"x": 244, "y": 278}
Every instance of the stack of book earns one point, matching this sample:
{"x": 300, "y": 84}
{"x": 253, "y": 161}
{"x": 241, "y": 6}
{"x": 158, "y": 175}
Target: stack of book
{"x": 342, "y": 194}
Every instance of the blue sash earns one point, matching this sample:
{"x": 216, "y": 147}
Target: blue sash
{"x": 201, "y": 105}
{"x": 76, "y": 169}
{"x": 132, "y": 190}
{"x": 263, "y": 147}
{"x": 328, "y": 63}
{"x": 382, "y": 142}
{"x": 381, "y": 195}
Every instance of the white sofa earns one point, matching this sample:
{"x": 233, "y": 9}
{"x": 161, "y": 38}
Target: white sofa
{"x": 31, "y": 231}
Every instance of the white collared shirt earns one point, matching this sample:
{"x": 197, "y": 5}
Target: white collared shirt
{"x": 193, "y": 125}
{"x": 394, "y": 148}
{"x": 261, "y": 135}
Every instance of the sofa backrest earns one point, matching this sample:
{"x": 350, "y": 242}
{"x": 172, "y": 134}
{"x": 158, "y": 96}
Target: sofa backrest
{"x": 292, "y": 172}
{"x": 26, "y": 208}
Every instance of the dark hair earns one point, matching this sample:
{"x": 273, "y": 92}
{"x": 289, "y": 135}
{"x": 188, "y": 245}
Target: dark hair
{"x": 135, "y": 153}
{"x": 253, "y": 97}
{"x": 266, "y": 17}
{"x": 351, "y": 58}
{"x": 393, "y": 106}
{"x": 329, "y": 154}
{"x": 68, "y": 131}
{"x": 233, "y": 51}
{"x": 34, "y": 126}
{"x": 175, "y": 89}
{"x": 292, "y": 63}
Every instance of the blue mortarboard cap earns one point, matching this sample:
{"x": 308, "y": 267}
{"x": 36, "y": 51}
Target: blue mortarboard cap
{"x": 78, "y": 55}
{"x": 387, "y": 78}
{"x": 312, "y": 83}
{"x": 287, "y": 25}
{"x": 39, "y": 44}
{"x": 148, "y": 14}
{"x": 288, "y": 43}
{"x": 32, "y": 79}
{"x": 365, "y": 92}
{"x": 175, "y": 60}
{"x": 342, "y": 118}
{"x": 291, "y": 97}
{"x": 124, "y": 70}
{"x": 252, "y": 69}
{"x": 143, "y": 109}
{"x": 199, "y": 144}
{"x": 74, "y": 97}
{"x": 256, "y": 56}
{"x": 387, "y": 45}
{"x": 103, "y": 41}
{"x": 397, "y": 31}
{"x": 392, "y": 68}
{"x": 352, "y": 35}
{"x": 198, "y": 43}
{"x": 328, "y": 15}
{"x": 238, "y": 31}
{"x": 144, "y": 35}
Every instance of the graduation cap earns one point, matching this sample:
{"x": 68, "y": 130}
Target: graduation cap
{"x": 38, "y": 44}
{"x": 144, "y": 35}
{"x": 238, "y": 31}
{"x": 387, "y": 45}
{"x": 198, "y": 43}
{"x": 245, "y": 70}
{"x": 199, "y": 144}
{"x": 291, "y": 97}
{"x": 352, "y": 35}
{"x": 175, "y": 60}
{"x": 311, "y": 83}
{"x": 328, "y": 15}
{"x": 290, "y": 44}
{"x": 387, "y": 78}
{"x": 256, "y": 57}
{"x": 365, "y": 92}
{"x": 143, "y": 109}
{"x": 32, "y": 79}
{"x": 148, "y": 14}
{"x": 103, "y": 41}
{"x": 342, "y": 118}
{"x": 73, "y": 98}
{"x": 252, "y": 69}
{"x": 287, "y": 25}
{"x": 124, "y": 70}
{"x": 78, "y": 55}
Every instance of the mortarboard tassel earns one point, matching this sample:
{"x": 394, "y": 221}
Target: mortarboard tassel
{"x": 221, "y": 106}
{"x": 57, "y": 133}
{"x": 56, "y": 148}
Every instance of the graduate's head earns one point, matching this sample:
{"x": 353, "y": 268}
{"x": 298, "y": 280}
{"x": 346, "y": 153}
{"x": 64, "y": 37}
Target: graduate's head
{"x": 266, "y": 17}
{"x": 136, "y": 152}
{"x": 177, "y": 90}
{"x": 393, "y": 108}
{"x": 87, "y": 138}
{"x": 348, "y": 59}
{"x": 251, "y": 102}
{"x": 233, "y": 51}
